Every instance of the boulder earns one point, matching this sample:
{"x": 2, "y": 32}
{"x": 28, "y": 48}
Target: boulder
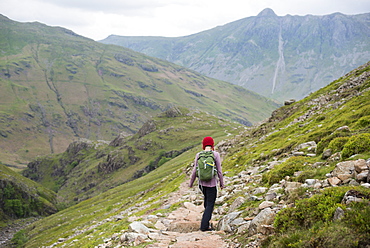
{"x": 265, "y": 217}
{"x": 225, "y": 223}
{"x": 259, "y": 190}
{"x": 343, "y": 128}
{"x": 244, "y": 228}
{"x": 134, "y": 238}
{"x": 362, "y": 177}
{"x": 326, "y": 154}
{"x": 266, "y": 204}
{"x": 310, "y": 181}
{"x": 298, "y": 154}
{"x": 353, "y": 196}
{"x": 291, "y": 186}
{"x": 360, "y": 165}
{"x": 334, "y": 181}
{"x": 309, "y": 146}
{"x": 138, "y": 227}
{"x": 338, "y": 214}
{"x": 236, "y": 204}
{"x": 344, "y": 177}
{"x": 335, "y": 157}
{"x": 289, "y": 102}
{"x": 345, "y": 167}
{"x": 270, "y": 196}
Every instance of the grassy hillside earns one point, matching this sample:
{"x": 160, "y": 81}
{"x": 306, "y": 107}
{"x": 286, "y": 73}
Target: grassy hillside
{"x": 150, "y": 165}
{"x": 131, "y": 199}
{"x": 57, "y": 86}
{"x": 336, "y": 117}
{"x": 21, "y": 197}
{"x": 88, "y": 168}
{"x": 336, "y": 112}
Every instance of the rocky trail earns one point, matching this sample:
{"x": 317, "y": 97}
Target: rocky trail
{"x": 179, "y": 228}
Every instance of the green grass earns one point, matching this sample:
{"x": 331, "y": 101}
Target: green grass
{"x": 310, "y": 224}
{"x": 67, "y": 173}
{"x": 119, "y": 193}
{"x": 173, "y": 143}
{"x": 22, "y": 197}
{"x": 58, "y": 86}
{"x": 153, "y": 186}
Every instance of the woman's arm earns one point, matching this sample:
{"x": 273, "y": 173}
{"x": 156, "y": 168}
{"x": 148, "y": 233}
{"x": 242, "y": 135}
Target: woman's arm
{"x": 194, "y": 172}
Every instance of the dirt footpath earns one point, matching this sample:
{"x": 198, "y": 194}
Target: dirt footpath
{"x": 182, "y": 226}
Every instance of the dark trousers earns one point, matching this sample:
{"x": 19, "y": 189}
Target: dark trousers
{"x": 210, "y": 194}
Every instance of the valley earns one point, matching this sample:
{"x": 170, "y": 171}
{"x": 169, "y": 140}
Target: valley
{"x": 58, "y": 87}
{"x": 297, "y": 163}
{"x": 97, "y": 143}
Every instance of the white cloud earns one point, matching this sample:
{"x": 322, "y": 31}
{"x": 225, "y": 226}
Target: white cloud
{"x": 122, "y": 7}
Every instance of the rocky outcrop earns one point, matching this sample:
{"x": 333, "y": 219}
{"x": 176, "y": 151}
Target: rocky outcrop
{"x": 82, "y": 144}
{"x": 139, "y": 100}
{"x": 148, "y": 67}
{"x": 172, "y": 112}
{"x": 147, "y": 128}
{"x": 119, "y": 140}
{"x": 115, "y": 160}
{"x": 125, "y": 59}
{"x": 354, "y": 172}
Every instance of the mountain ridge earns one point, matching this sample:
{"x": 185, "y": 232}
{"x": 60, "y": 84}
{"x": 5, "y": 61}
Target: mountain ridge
{"x": 57, "y": 86}
{"x": 278, "y": 57}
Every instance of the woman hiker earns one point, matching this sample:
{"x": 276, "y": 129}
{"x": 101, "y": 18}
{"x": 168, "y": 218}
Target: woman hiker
{"x": 208, "y": 188}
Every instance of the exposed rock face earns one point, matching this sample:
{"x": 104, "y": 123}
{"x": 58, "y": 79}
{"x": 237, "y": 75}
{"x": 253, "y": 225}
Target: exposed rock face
{"x": 75, "y": 147}
{"x": 147, "y": 128}
{"x": 119, "y": 140}
{"x": 173, "y": 112}
{"x": 32, "y": 171}
{"x": 114, "y": 161}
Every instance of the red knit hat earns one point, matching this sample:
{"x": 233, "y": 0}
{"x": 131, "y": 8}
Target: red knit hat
{"x": 208, "y": 141}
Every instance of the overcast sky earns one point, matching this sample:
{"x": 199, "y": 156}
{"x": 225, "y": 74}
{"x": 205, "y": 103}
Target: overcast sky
{"x": 97, "y": 19}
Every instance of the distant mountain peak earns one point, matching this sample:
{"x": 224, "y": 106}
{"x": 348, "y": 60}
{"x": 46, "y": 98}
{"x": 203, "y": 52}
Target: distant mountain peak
{"x": 256, "y": 52}
{"x": 267, "y": 12}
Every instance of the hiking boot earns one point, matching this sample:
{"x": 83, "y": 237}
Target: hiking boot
{"x": 209, "y": 229}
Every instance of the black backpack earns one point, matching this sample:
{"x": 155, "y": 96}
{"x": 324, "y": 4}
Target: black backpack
{"x": 206, "y": 168}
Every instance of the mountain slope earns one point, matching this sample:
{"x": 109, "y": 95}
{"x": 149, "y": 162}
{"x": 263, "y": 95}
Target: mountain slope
{"x": 56, "y": 86}
{"x": 278, "y": 57}
{"x": 89, "y": 168}
{"x": 259, "y": 163}
{"x": 22, "y": 197}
